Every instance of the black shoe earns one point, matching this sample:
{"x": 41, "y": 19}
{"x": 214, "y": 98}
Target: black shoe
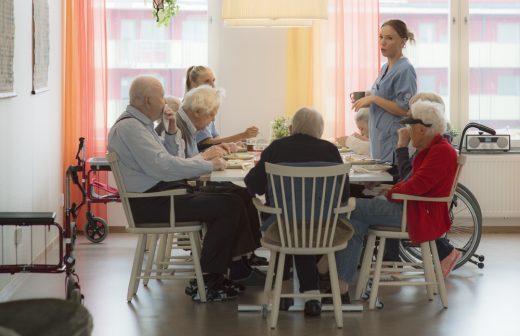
{"x": 215, "y": 288}
{"x": 255, "y": 278}
{"x": 227, "y": 283}
{"x": 313, "y": 308}
{"x": 345, "y": 298}
{"x": 255, "y": 260}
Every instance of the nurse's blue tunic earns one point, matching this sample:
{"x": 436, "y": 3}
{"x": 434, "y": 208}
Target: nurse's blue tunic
{"x": 397, "y": 84}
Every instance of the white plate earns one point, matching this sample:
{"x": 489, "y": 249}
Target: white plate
{"x": 239, "y": 156}
{"x": 370, "y": 168}
{"x": 234, "y": 164}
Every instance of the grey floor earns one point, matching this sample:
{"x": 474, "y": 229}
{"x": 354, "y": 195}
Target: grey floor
{"x": 481, "y": 302}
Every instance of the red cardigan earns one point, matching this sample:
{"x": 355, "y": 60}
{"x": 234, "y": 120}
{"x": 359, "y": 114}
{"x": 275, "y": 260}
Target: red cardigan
{"x": 433, "y": 172}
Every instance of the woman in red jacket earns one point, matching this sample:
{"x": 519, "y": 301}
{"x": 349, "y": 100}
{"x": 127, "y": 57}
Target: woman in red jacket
{"x": 433, "y": 172}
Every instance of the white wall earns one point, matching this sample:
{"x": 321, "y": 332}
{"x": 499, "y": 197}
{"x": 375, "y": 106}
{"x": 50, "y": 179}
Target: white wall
{"x": 250, "y": 64}
{"x": 30, "y": 125}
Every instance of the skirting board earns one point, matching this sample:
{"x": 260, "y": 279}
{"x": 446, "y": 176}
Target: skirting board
{"x": 485, "y": 229}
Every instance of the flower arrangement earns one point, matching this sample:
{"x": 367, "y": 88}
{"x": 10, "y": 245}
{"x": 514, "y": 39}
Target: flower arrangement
{"x": 280, "y": 128}
{"x": 164, "y": 10}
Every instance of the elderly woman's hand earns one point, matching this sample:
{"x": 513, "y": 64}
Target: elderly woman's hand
{"x": 213, "y": 152}
{"x": 403, "y": 135}
{"x": 250, "y": 132}
{"x": 218, "y": 164}
{"x": 169, "y": 117}
{"x": 229, "y": 147}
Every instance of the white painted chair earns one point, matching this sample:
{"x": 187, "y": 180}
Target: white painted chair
{"x": 305, "y": 214}
{"x": 427, "y": 272}
{"x": 152, "y": 270}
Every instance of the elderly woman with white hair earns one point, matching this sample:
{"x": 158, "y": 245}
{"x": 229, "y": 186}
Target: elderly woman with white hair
{"x": 433, "y": 171}
{"x": 358, "y": 142}
{"x": 303, "y": 145}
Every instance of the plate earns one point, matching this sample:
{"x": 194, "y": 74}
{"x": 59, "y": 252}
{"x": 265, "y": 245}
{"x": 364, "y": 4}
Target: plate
{"x": 239, "y": 156}
{"x": 359, "y": 161}
{"x": 370, "y": 168}
{"x": 234, "y": 164}
{"x": 344, "y": 149}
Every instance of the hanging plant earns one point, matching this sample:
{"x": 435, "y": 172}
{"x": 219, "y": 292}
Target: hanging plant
{"x": 164, "y": 10}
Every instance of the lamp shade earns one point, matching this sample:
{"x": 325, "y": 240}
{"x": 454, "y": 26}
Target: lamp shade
{"x": 273, "y": 12}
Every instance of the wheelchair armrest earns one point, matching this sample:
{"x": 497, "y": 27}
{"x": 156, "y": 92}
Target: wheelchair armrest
{"x": 406, "y": 197}
{"x": 265, "y": 208}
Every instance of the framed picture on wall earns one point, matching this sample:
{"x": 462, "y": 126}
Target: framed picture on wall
{"x": 40, "y": 46}
{"x": 7, "y": 49}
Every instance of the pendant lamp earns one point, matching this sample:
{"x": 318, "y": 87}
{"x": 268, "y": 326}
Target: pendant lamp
{"x": 273, "y": 13}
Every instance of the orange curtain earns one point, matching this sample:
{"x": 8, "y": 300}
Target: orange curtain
{"x": 84, "y": 86}
{"x": 346, "y": 59}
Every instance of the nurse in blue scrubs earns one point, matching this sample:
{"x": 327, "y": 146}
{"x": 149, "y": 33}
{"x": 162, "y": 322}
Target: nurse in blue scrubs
{"x": 393, "y": 88}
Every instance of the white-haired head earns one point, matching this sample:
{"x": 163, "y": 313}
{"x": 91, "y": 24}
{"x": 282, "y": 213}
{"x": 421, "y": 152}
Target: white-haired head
{"x": 429, "y": 114}
{"x": 307, "y": 121}
{"x": 362, "y": 114}
{"x": 203, "y": 99}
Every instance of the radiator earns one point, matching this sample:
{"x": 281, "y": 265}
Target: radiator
{"x": 494, "y": 179}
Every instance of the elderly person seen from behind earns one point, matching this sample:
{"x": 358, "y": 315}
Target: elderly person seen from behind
{"x": 303, "y": 145}
{"x": 433, "y": 172}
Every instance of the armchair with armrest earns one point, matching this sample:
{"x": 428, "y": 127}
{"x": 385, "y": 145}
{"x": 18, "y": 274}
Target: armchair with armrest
{"x": 305, "y": 216}
{"x": 187, "y": 269}
{"x": 427, "y": 272}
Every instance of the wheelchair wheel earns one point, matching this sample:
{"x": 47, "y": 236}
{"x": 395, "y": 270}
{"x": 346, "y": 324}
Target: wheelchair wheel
{"x": 465, "y": 231}
{"x": 96, "y": 229}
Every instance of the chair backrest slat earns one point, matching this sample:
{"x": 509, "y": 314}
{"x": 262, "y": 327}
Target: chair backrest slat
{"x": 307, "y": 196}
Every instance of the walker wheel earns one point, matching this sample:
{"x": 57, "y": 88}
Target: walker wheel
{"x": 96, "y": 229}
{"x": 70, "y": 286}
{"x": 76, "y": 296}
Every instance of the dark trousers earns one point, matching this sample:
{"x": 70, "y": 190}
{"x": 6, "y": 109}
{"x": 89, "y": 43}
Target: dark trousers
{"x": 223, "y": 213}
{"x": 252, "y": 220}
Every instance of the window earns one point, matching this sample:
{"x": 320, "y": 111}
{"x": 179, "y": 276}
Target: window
{"x": 137, "y": 46}
{"x": 478, "y": 72}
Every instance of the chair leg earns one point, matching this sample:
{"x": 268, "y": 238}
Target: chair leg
{"x": 334, "y": 285}
{"x": 269, "y": 278}
{"x": 428, "y": 268}
{"x": 159, "y": 260}
{"x": 438, "y": 274}
{"x": 277, "y": 290}
{"x": 152, "y": 245}
{"x": 195, "y": 249}
{"x": 366, "y": 265}
{"x": 377, "y": 273}
{"x": 136, "y": 267}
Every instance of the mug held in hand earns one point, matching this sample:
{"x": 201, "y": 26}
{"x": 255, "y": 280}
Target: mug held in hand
{"x": 357, "y": 95}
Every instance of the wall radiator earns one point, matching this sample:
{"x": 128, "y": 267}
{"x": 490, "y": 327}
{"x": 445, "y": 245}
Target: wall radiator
{"x": 494, "y": 179}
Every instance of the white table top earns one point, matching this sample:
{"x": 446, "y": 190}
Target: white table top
{"x": 237, "y": 175}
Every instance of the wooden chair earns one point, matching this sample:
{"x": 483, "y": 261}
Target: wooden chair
{"x": 305, "y": 215}
{"x": 157, "y": 270}
{"x": 427, "y": 272}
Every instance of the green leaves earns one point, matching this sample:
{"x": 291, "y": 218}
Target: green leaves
{"x": 164, "y": 15}
{"x": 280, "y": 128}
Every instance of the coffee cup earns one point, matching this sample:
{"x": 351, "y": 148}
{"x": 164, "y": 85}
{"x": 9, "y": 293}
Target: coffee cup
{"x": 357, "y": 95}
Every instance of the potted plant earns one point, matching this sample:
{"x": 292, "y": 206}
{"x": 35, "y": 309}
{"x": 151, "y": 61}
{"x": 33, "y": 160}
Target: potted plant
{"x": 164, "y": 10}
{"x": 280, "y": 128}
